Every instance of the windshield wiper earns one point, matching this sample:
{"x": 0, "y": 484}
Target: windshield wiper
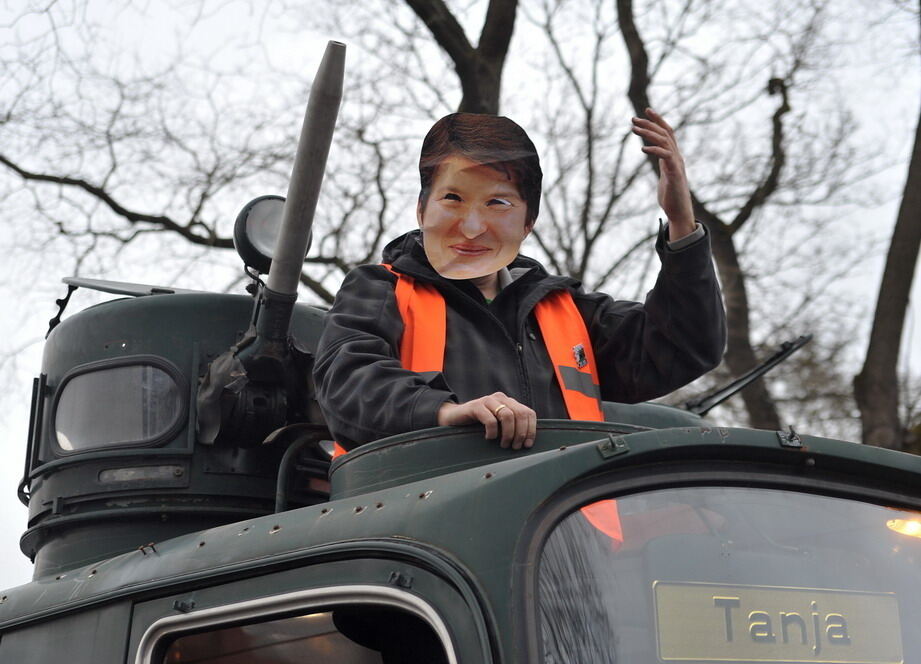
{"x": 703, "y": 405}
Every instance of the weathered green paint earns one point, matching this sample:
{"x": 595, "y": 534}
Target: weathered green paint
{"x": 90, "y": 637}
{"x": 458, "y": 516}
{"x": 467, "y": 522}
{"x": 68, "y": 502}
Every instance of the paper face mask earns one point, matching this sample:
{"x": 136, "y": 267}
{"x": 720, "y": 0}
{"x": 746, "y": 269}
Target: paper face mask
{"x": 473, "y": 223}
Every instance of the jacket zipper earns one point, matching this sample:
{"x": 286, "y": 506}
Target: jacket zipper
{"x": 523, "y": 380}
{"x": 523, "y": 384}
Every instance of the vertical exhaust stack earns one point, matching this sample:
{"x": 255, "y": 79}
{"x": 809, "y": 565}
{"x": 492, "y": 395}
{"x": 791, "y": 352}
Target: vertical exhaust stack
{"x": 258, "y": 386}
{"x": 307, "y": 173}
{"x": 280, "y": 292}
{"x": 276, "y": 387}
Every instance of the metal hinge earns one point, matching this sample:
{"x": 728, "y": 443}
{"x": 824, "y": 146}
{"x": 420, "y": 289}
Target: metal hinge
{"x": 613, "y": 446}
{"x": 790, "y": 438}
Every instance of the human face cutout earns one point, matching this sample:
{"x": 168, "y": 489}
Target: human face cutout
{"x": 473, "y": 223}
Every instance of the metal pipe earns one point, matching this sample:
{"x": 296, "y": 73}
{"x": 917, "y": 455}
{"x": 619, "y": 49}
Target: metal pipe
{"x": 307, "y": 172}
{"x": 286, "y": 466}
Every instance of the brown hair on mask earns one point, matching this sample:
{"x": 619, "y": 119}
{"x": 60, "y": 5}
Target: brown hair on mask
{"x": 491, "y": 140}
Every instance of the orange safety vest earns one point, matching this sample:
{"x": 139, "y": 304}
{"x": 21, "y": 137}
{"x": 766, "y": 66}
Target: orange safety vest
{"x": 422, "y": 350}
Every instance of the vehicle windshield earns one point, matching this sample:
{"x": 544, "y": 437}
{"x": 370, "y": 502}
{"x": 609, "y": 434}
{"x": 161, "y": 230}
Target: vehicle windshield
{"x": 731, "y": 575}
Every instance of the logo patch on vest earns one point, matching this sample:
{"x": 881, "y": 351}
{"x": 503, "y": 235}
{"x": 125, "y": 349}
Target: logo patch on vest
{"x": 578, "y": 352}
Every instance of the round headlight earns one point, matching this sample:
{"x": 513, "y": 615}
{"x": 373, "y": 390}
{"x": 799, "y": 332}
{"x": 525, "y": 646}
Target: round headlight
{"x": 256, "y": 230}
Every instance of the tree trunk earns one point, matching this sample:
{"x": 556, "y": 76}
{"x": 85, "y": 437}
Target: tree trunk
{"x": 876, "y": 387}
{"x": 479, "y": 69}
{"x": 740, "y": 356}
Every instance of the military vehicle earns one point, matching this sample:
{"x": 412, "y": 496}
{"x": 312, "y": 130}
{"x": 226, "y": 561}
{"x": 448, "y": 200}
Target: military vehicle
{"x": 183, "y": 507}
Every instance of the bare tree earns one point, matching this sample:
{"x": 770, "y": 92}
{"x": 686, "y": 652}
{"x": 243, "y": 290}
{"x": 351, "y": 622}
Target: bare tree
{"x": 727, "y": 215}
{"x": 114, "y": 157}
{"x": 166, "y": 154}
{"x": 876, "y": 387}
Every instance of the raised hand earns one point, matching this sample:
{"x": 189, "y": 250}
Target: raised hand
{"x": 674, "y": 191}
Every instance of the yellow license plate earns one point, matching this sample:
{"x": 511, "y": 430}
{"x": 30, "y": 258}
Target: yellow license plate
{"x": 702, "y": 622}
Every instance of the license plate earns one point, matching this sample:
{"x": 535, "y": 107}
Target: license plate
{"x": 702, "y": 622}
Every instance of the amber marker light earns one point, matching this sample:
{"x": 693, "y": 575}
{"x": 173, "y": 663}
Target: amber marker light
{"x": 910, "y": 527}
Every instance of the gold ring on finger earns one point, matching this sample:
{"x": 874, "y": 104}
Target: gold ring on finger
{"x": 500, "y": 407}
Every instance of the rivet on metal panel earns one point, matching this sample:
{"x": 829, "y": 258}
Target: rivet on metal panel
{"x": 359, "y": 509}
{"x": 424, "y": 495}
{"x": 325, "y": 511}
{"x": 184, "y": 605}
{"x": 401, "y": 580}
{"x": 613, "y": 446}
{"x": 274, "y": 529}
{"x": 487, "y": 476}
{"x": 790, "y": 438}
{"x": 2, "y": 599}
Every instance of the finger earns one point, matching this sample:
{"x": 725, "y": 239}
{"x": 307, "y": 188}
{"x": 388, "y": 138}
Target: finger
{"x": 521, "y": 423}
{"x": 531, "y": 429}
{"x": 485, "y": 416}
{"x": 649, "y": 130}
{"x": 660, "y": 152}
{"x": 497, "y": 410}
{"x": 506, "y": 418}
{"x": 656, "y": 138}
{"x": 659, "y": 120}
{"x": 670, "y": 164}
{"x": 522, "y": 428}
{"x": 647, "y": 123}
{"x": 641, "y": 125}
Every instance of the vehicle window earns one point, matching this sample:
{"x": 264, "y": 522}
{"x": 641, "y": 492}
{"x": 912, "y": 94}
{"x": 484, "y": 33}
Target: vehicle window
{"x": 731, "y": 575}
{"x": 116, "y": 405}
{"x": 361, "y": 635}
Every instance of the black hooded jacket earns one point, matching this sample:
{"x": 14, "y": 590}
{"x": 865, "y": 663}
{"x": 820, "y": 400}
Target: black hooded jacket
{"x": 643, "y": 350}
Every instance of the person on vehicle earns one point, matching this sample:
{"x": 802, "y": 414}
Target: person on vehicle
{"x": 501, "y": 317}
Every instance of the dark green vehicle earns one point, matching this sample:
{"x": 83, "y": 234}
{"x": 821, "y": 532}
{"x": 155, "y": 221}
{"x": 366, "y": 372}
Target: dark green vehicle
{"x": 183, "y": 508}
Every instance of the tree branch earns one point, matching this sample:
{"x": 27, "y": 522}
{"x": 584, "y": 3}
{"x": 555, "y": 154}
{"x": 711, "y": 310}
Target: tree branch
{"x": 130, "y": 215}
{"x": 778, "y": 158}
{"x": 479, "y": 69}
{"x": 445, "y": 29}
{"x": 497, "y": 30}
{"x": 317, "y": 288}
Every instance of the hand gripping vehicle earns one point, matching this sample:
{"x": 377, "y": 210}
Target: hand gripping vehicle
{"x": 183, "y": 508}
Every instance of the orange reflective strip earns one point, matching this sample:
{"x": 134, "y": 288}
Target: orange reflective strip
{"x": 422, "y": 346}
{"x": 422, "y": 308}
{"x": 603, "y": 515}
{"x": 564, "y": 331}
